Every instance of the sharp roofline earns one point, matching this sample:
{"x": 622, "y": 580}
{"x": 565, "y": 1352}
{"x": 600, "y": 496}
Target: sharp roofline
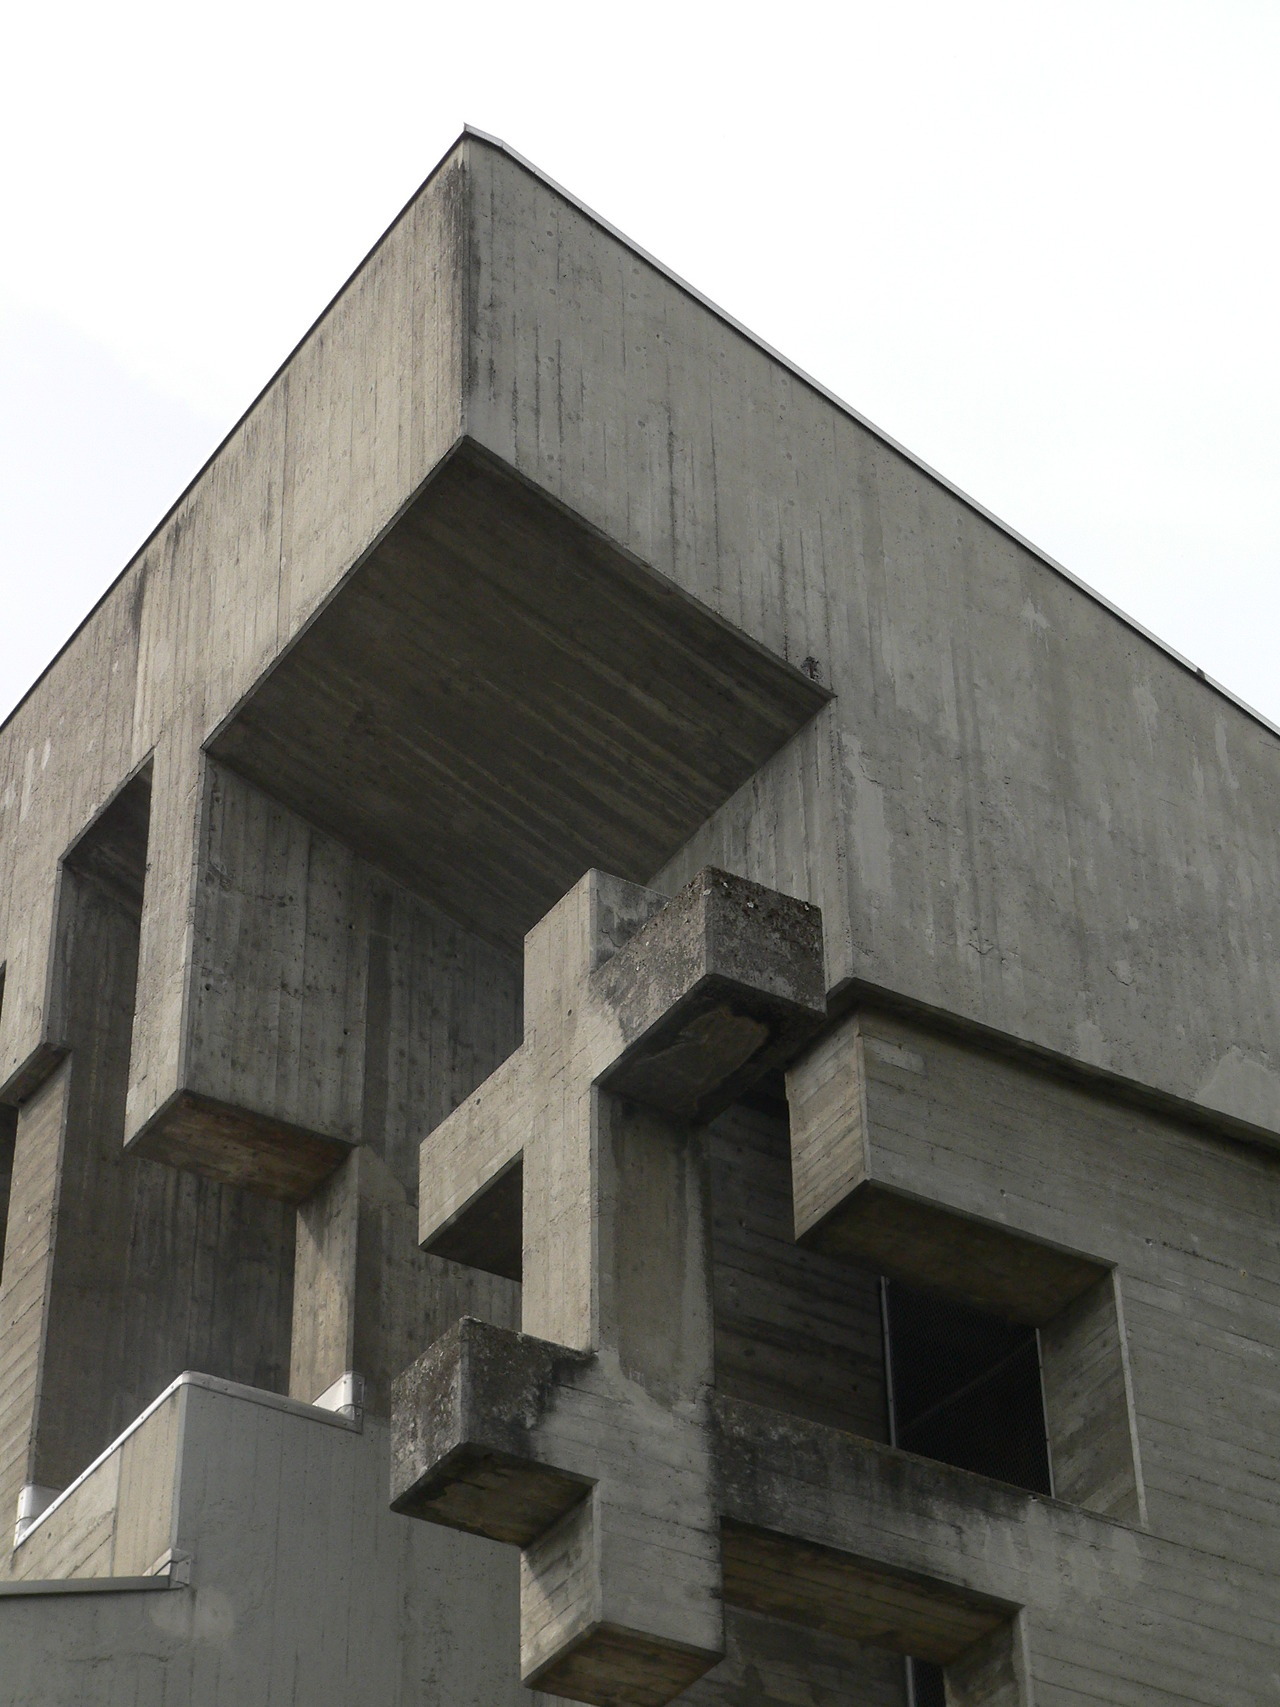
{"x": 473, "y": 133}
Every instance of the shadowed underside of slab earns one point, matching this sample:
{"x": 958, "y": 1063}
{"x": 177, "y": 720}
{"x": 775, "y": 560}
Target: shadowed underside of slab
{"x": 622, "y": 1667}
{"x": 499, "y": 699}
{"x": 986, "y": 1266}
{"x": 239, "y": 1148}
{"x": 826, "y": 1589}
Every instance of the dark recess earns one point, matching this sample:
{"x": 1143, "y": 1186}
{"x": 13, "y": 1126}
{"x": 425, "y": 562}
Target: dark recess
{"x": 965, "y": 1388}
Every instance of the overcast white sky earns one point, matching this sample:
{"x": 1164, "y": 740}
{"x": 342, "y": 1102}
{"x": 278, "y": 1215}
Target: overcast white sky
{"x": 1036, "y": 242}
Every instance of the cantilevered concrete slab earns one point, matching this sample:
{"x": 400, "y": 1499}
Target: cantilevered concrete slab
{"x": 985, "y": 701}
{"x": 498, "y": 697}
{"x": 528, "y": 562}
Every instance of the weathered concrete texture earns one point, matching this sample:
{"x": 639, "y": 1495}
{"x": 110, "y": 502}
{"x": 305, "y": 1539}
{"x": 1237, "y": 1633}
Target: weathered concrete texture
{"x": 795, "y": 1330}
{"x": 480, "y": 1419}
{"x": 765, "y": 1663}
{"x": 1109, "y": 1612}
{"x": 464, "y": 1449}
{"x": 121, "y": 1272}
{"x": 540, "y": 698}
{"x": 528, "y": 563}
{"x": 851, "y": 1202}
{"x": 316, "y": 471}
{"x": 720, "y": 987}
{"x": 585, "y": 1440}
{"x": 1040, "y": 732}
{"x": 329, "y": 1005}
{"x": 1166, "y": 1366}
{"x": 1020, "y": 810}
{"x": 365, "y": 1298}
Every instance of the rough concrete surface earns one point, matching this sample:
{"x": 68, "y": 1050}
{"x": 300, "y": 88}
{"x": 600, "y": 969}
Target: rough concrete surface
{"x": 567, "y": 873}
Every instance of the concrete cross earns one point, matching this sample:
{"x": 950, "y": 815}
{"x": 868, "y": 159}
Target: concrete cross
{"x": 580, "y": 1166}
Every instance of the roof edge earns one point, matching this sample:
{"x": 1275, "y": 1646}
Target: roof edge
{"x": 878, "y": 432}
{"x": 473, "y": 133}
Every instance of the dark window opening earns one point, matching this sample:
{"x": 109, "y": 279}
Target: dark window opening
{"x": 965, "y": 1387}
{"x": 926, "y": 1686}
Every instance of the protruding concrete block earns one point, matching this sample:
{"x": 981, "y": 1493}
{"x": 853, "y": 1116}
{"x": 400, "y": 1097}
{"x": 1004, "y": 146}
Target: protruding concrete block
{"x": 827, "y": 1530}
{"x": 725, "y": 983}
{"x": 465, "y": 1448}
{"x": 586, "y": 1440}
{"x": 862, "y": 1167}
{"x": 239, "y": 1147}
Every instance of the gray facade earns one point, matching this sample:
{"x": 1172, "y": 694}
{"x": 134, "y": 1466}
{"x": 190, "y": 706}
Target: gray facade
{"x": 577, "y": 930}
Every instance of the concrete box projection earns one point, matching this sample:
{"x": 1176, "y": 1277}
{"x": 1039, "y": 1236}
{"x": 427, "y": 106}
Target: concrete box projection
{"x": 638, "y": 1055}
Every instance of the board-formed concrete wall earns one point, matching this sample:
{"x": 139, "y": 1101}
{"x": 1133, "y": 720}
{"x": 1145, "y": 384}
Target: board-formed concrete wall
{"x": 530, "y": 561}
{"x": 1019, "y": 810}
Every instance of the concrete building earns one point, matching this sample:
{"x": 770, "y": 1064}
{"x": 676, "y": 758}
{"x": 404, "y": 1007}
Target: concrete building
{"x": 637, "y": 1055}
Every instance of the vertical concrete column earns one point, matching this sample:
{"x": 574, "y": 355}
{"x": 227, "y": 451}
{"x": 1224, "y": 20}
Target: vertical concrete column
{"x": 576, "y": 1142}
{"x": 24, "y": 1292}
{"x": 362, "y": 1289}
{"x": 617, "y": 1262}
{"x": 247, "y": 1046}
{"x": 365, "y": 1296}
{"x": 995, "y": 1672}
{"x": 156, "y": 1064}
{"x": 1089, "y": 1410}
{"x": 119, "y": 1273}
{"x": 61, "y": 1311}
{"x": 322, "y": 1353}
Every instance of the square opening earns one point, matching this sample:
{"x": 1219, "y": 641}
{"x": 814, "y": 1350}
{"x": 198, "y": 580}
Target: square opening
{"x": 965, "y": 1387}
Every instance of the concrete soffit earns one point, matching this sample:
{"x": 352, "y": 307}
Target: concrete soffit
{"x": 470, "y": 131}
{"x": 471, "y": 134}
{"x": 498, "y": 671}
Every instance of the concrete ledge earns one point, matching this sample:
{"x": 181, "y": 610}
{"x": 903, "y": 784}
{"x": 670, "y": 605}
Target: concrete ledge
{"x": 828, "y": 1589}
{"x": 874, "y": 1121}
{"x": 239, "y": 1147}
{"x": 611, "y": 1664}
{"x": 463, "y": 1452}
{"x": 93, "y": 1585}
{"x": 723, "y": 984}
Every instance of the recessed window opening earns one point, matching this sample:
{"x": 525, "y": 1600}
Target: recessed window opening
{"x": 926, "y": 1685}
{"x": 965, "y": 1388}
